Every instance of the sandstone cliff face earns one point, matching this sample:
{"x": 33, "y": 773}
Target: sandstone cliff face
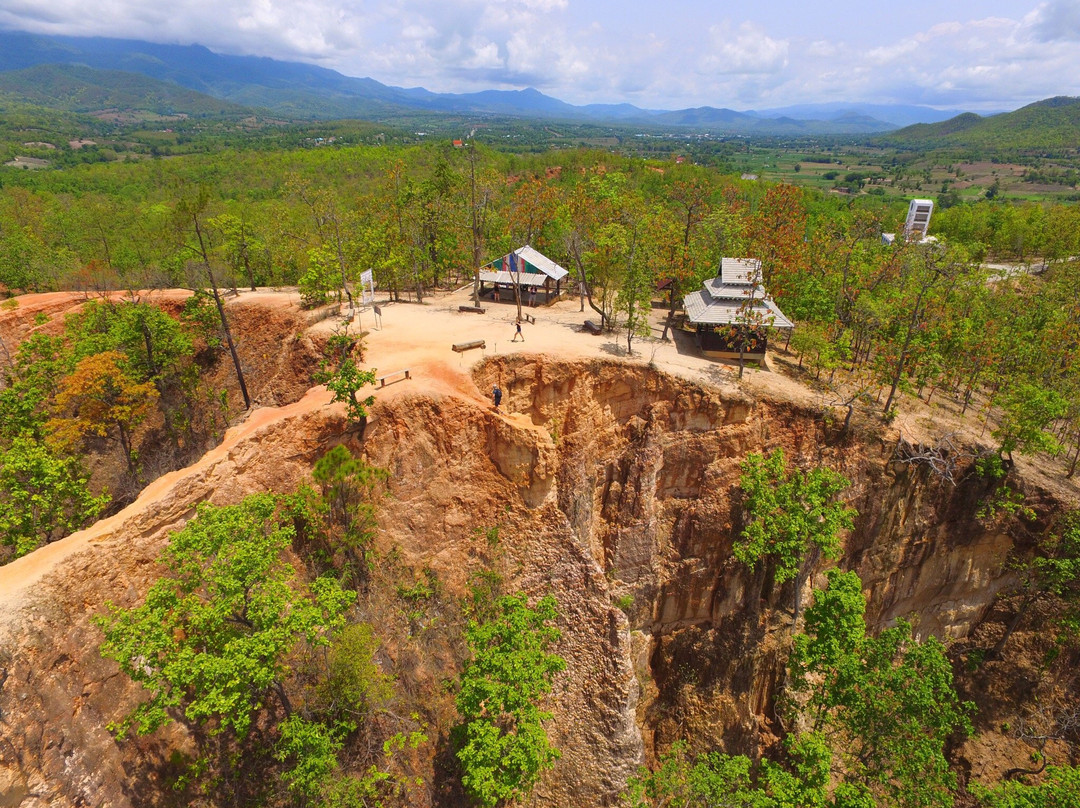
{"x": 613, "y": 489}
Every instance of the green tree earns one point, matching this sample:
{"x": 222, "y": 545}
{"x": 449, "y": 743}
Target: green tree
{"x": 212, "y": 641}
{"x": 1053, "y": 573}
{"x": 1058, "y": 789}
{"x": 43, "y": 496}
{"x": 714, "y": 780}
{"x": 503, "y": 746}
{"x": 31, "y": 383}
{"x": 1028, "y": 410}
{"x": 155, "y": 345}
{"x": 345, "y": 379}
{"x": 791, "y": 516}
{"x": 191, "y": 212}
{"x": 337, "y": 523}
{"x": 886, "y": 704}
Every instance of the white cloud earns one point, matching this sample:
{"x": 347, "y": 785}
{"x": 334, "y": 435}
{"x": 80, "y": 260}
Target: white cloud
{"x": 823, "y": 48}
{"x": 683, "y": 54}
{"x": 1057, "y": 21}
{"x": 747, "y": 49}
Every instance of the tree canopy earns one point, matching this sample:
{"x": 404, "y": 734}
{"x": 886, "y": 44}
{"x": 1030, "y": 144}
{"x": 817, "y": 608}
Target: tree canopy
{"x": 503, "y": 746}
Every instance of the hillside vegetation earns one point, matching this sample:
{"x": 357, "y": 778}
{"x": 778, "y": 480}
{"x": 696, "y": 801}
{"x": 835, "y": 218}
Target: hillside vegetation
{"x": 1051, "y": 125}
{"x": 260, "y": 642}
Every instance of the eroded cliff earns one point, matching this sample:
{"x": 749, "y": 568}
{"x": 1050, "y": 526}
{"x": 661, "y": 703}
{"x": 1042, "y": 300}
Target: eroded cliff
{"x": 612, "y": 486}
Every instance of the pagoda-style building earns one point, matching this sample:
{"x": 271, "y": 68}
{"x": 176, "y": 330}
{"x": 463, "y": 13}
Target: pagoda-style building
{"x": 732, "y": 314}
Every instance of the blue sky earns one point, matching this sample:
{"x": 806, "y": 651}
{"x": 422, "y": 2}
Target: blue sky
{"x": 971, "y": 54}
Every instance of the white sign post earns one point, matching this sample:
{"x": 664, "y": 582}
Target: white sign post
{"x": 367, "y": 288}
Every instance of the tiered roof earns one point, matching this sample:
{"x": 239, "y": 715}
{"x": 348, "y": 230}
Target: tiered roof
{"x": 721, "y": 298}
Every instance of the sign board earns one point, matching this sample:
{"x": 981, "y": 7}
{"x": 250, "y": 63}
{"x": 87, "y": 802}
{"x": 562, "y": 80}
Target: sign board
{"x": 367, "y": 287}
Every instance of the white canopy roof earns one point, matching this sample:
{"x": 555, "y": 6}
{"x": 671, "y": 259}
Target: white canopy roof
{"x": 536, "y": 261}
{"x": 510, "y": 278}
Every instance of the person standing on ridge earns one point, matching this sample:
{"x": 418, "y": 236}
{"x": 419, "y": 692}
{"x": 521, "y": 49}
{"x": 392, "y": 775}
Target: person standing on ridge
{"x": 496, "y": 394}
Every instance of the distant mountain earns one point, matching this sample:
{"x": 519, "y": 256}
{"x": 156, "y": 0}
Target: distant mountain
{"x": 74, "y": 88}
{"x": 896, "y": 114}
{"x": 1051, "y": 124}
{"x": 743, "y": 122}
{"x": 295, "y": 90}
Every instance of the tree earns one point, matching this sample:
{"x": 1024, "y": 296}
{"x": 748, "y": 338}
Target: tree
{"x": 155, "y": 345}
{"x": 1058, "y": 789}
{"x": 503, "y": 746}
{"x": 332, "y": 227}
{"x": 926, "y": 278}
{"x": 714, "y": 780}
{"x": 1028, "y": 410}
{"x": 634, "y": 300}
{"x": 690, "y": 199}
{"x": 98, "y": 397}
{"x": 751, "y": 320}
{"x": 337, "y": 523}
{"x": 191, "y": 210}
{"x": 791, "y": 516}
{"x": 237, "y": 243}
{"x": 886, "y": 704}
{"x": 30, "y": 385}
{"x": 1053, "y": 573}
{"x": 43, "y": 496}
{"x": 481, "y": 202}
{"x": 212, "y": 641}
{"x": 778, "y": 237}
{"x": 343, "y": 377}
{"x": 599, "y": 238}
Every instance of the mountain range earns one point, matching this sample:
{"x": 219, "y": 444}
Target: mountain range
{"x": 302, "y": 91}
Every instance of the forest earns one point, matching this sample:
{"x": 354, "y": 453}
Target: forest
{"x": 872, "y": 321}
{"x": 878, "y": 326}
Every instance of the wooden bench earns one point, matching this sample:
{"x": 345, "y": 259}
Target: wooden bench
{"x": 471, "y": 309}
{"x": 528, "y": 317}
{"x": 405, "y": 374}
{"x": 593, "y": 327}
{"x": 461, "y": 347}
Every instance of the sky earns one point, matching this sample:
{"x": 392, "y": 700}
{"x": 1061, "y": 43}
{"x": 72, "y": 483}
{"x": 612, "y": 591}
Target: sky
{"x": 979, "y": 55}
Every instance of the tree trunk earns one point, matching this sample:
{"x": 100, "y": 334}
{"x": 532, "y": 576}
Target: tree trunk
{"x": 671, "y": 311}
{"x": 229, "y": 340}
{"x": 221, "y": 314}
{"x": 995, "y": 652}
{"x": 475, "y": 226}
{"x": 1075, "y": 459}
{"x": 902, "y": 359}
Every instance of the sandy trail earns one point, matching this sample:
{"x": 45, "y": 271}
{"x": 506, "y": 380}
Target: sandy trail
{"x": 23, "y": 573}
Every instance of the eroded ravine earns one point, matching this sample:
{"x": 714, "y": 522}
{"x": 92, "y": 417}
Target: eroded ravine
{"x": 613, "y": 486}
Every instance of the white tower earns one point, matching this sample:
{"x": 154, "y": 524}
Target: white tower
{"x": 918, "y": 219}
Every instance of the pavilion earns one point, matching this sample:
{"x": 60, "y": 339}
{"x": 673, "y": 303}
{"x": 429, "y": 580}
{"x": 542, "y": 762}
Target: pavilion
{"x": 526, "y": 267}
{"x": 732, "y": 313}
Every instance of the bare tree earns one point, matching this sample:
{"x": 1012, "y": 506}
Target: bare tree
{"x": 190, "y": 212}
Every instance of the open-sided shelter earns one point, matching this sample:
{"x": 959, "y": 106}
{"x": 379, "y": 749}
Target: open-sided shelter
{"x": 526, "y": 267}
{"x": 732, "y": 313}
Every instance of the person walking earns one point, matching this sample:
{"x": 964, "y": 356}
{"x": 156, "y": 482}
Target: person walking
{"x": 496, "y": 394}
{"x": 517, "y": 333}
